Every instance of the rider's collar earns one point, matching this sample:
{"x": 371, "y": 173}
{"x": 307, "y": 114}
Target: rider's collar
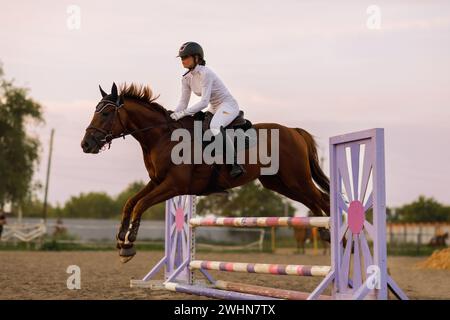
{"x": 197, "y": 69}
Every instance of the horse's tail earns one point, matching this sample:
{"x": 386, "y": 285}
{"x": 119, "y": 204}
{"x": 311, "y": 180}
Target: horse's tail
{"x": 318, "y": 175}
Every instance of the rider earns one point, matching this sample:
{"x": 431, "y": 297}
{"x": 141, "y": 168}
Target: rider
{"x": 205, "y": 83}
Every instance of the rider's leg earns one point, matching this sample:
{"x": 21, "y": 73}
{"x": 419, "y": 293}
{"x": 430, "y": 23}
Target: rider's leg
{"x": 231, "y": 155}
{"x": 223, "y": 117}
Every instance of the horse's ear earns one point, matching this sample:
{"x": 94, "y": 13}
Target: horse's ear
{"x": 104, "y": 94}
{"x": 119, "y": 100}
{"x": 114, "y": 91}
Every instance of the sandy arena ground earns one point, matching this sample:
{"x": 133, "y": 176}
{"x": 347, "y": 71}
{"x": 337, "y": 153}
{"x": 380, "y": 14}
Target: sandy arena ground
{"x": 42, "y": 275}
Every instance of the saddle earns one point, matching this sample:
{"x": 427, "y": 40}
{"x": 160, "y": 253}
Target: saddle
{"x": 238, "y": 123}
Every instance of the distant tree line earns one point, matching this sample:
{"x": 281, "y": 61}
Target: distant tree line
{"x": 421, "y": 210}
{"x": 93, "y": 205}
{"x": 250, "y": 200}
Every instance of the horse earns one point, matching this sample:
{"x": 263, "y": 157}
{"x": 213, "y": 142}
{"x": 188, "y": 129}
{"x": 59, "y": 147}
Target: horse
{"x": 439, "y": 240}
{"x": 132, "y": 110}
{"x": 302, "y": 235}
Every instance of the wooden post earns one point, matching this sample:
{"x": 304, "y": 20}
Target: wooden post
{"x": 47, "y": 180}
{"x": 272, "y": 238}
{"x": 405, "y": 233}
{"x": 391, "y": 233}
{"x": 314, "y": 236}
{"x": 419, "y": 239}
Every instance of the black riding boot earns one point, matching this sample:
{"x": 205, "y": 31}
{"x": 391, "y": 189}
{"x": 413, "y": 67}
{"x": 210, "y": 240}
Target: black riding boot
{"x": 236, "y": 168}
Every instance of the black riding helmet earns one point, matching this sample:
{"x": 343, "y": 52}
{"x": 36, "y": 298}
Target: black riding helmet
{"x": 190, "y": 49}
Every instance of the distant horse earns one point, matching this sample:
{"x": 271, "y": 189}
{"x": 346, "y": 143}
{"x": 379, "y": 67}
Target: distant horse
{"x": 302, "y": 234}
{"x": 133, "y": 111}
{"x": 439, "y": 240}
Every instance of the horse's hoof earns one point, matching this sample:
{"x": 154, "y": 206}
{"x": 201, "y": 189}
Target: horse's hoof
{"x": 127, "y": 254}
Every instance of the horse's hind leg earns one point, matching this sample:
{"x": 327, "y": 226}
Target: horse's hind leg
{"x": 308, "y": 194}
{"x": 316, "y": 201}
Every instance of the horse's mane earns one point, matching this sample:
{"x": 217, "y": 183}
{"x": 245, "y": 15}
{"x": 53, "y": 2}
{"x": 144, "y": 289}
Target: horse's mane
{"x": 142, "y": 93}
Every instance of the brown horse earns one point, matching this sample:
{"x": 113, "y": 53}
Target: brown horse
{"x": 439, "y": 240}
{"x": 302, "y": 234}
{"x": 134, "y": 111}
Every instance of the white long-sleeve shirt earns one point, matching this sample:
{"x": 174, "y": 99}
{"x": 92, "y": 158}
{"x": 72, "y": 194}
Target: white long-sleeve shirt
{"x": 205, "y": 83}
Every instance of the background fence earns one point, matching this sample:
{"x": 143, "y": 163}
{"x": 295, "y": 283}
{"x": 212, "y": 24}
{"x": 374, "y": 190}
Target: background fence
{"x": 407, "y": 238}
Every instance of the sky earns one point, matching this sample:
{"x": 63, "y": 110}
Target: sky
{"x": 324, "y": 66}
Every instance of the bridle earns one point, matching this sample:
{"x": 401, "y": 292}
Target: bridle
{"x": 108, "y": 133}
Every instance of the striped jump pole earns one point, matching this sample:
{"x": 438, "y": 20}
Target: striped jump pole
{"x": 263, "y": 268}
{"x": 265, "y": 291}
{"x": 213, "y": 293}
{"x": 262, "y": 222}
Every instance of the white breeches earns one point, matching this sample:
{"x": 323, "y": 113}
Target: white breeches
{"x": 226, "y": 112}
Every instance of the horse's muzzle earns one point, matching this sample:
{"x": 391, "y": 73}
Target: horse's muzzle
{"x": 91, "y": 144}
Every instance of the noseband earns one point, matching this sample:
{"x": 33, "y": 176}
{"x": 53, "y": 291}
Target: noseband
{"x": 108, "y": 134}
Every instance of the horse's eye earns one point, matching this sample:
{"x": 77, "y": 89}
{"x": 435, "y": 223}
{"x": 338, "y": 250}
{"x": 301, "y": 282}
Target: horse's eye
{"x": 105, "y": 114}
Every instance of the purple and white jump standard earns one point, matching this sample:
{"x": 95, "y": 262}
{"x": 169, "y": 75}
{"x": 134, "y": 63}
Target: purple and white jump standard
{"x": 357, "y": 225}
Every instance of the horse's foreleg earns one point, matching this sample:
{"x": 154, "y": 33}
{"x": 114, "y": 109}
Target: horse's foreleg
{"x": 127, "y": 211}
{"x": 160, "y": 193}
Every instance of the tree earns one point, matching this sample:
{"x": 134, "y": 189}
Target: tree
{"x": 423, "y": 210}
{"x": 91, "y": 205}
{"x": 19, "y": 153}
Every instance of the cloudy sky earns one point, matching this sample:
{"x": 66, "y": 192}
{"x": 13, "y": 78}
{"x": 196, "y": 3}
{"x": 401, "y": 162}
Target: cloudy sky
{"x": 310, "y": 64}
